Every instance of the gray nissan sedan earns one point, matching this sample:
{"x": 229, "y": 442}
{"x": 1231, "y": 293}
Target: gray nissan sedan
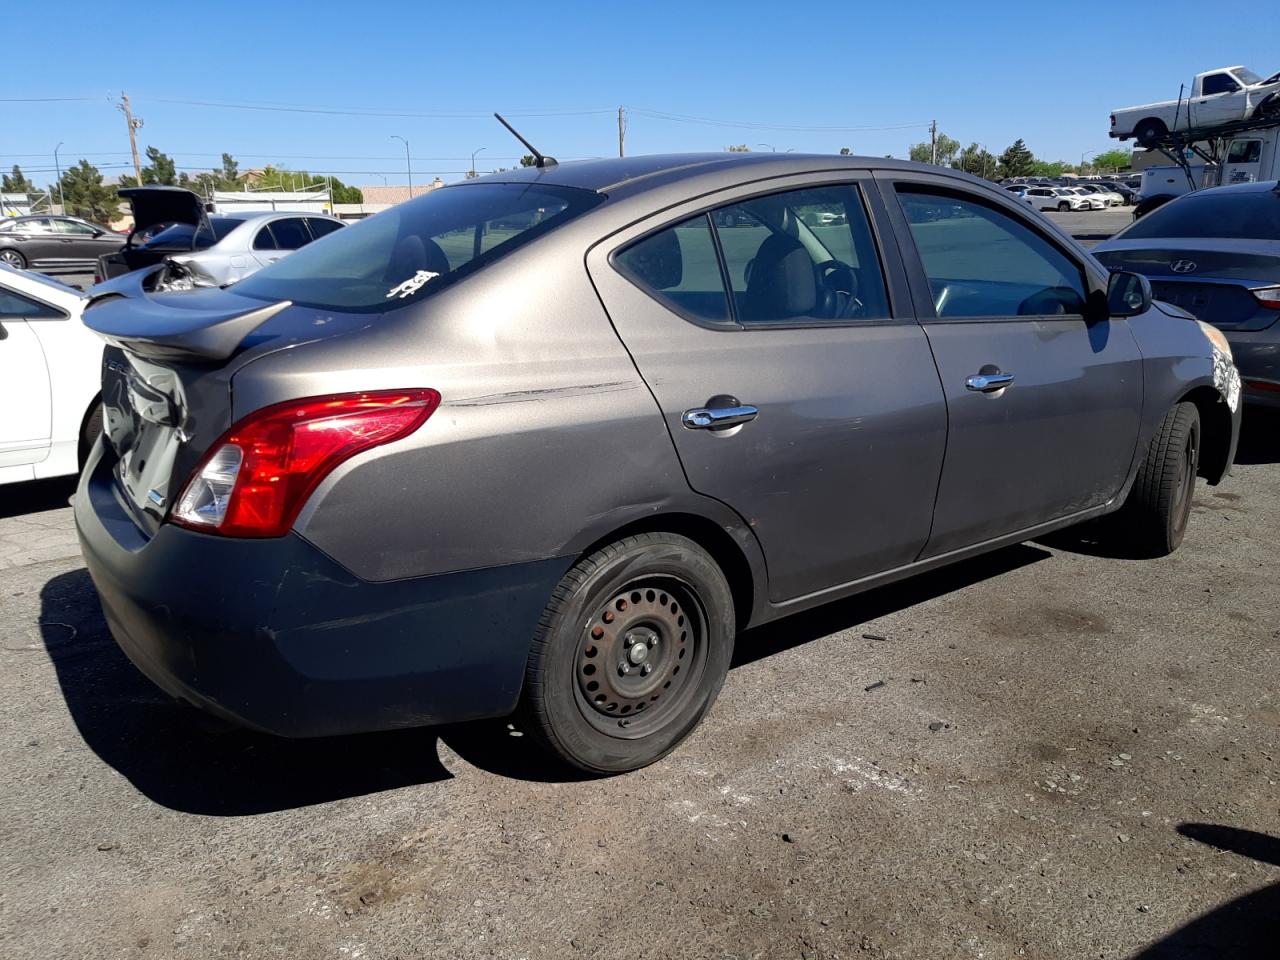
{"x": 545, "y": 442}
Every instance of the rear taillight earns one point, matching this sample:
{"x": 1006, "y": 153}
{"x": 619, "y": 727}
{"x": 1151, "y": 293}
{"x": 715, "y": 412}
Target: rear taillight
{"x": 1269, "y": 297}
{"x": 258, "y": 475}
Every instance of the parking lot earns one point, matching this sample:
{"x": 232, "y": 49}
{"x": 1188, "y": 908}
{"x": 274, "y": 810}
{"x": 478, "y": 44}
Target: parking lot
{"x": 1049, "y": 751}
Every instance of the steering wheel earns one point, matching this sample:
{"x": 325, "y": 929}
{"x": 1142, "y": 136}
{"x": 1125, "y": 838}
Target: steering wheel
{"x": 838, "y": 286}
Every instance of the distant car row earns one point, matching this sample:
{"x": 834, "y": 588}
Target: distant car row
{"x": 1083, "y": 196}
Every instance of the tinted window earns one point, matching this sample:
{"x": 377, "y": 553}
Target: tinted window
{"x": 320, "y": 228}
{"x": 802, "y": 255}
{"x": 74, "y": 227}
{"x": 1218, "y": 83}
{"x": 1245, "y": 151}
{"x": 290, "y": 234}
{"x": 1254, "y": 215}
{"x": 224, "y": 225}
{"x": 264, "y": 240}
{"x": 984, "y": 263}
{"x": 417, "y": 247}
{"x": 183, "y": 236}
{"x": 14, "y": 306}
{"x": 679, "y": 267}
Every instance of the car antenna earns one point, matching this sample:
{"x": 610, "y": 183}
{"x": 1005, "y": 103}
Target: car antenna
{"x": 538, "y": 159}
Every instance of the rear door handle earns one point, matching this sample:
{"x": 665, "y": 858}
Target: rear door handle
{"x": 988, "y": 382}
{"x": 713, "y": 418}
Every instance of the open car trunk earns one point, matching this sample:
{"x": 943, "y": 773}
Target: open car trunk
{"x": 156, "y": 207}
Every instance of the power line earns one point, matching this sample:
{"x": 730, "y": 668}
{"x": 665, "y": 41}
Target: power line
{"x": 756, "y": 125}
{"x": 347, "y": 112}
{"x": 47, "y": 99}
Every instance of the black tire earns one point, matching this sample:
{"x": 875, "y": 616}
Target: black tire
{"x": 1149, "y": 131}
{"x": 14, "y": 259}
{"x": 1154, "y": 517}
{"x": 90, "y": 431}
{"x": 1064, "y": 207}
{"x": 654, "y": 600}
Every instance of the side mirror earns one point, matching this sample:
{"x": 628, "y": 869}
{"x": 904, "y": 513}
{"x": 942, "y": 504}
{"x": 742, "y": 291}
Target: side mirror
{"x": 1128, "y": 294}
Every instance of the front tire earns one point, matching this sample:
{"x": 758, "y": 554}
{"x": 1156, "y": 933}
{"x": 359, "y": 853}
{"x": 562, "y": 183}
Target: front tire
{"x": 1154, "y": 517}
{"x": 629, "y": 654}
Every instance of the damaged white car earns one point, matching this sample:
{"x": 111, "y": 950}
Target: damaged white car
{"x": 200, "y": 249}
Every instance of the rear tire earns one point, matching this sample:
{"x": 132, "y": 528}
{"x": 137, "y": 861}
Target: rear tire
{"x": 1064, "y": 207}
{"x": 90, "y": 432}
{"x": 1154, "y": 517}
{"x": 14, "y": 259}
{"x": 630, "y": 653}
{"x": 1149, "y": 131}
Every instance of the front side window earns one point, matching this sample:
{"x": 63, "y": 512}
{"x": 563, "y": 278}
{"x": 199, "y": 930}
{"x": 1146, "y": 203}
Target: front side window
{"x": 415, "y": 248}
{"x": 14, "y": 306}
{"x": 1245, "y": 151}
{"x": 984, "y": 263}
{"x": 679, "y": 268}
{"x": 802, "y": 255}
{"x": 1218, "y": 83}
{"x": 74, "y": 227}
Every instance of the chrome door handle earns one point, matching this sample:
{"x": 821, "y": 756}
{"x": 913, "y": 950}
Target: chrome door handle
{"x": 988, "y": 382}
{"x": 712, "y": 418}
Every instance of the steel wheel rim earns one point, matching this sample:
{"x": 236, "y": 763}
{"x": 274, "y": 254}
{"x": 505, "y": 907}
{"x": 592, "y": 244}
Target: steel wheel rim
{"x": 656, "y": 628}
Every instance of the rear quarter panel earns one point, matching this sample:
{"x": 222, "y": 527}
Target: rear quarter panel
{"x": 546, "y": 438}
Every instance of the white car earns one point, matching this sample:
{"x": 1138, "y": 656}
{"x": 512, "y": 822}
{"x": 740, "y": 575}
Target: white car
{"x": 1217, "y": 97}
{"x": 1056, "y": 198}
{"x": 1093, "y": 201}
{"x": 1110, "y": 197}
{"x": 50, "y": 371}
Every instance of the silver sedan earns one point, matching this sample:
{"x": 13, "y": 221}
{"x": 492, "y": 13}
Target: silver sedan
{"x": 244, "y": 243}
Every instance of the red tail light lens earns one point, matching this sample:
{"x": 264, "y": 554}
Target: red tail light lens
{"x": 258, "y": 475}
{"x": 1268, "y": 297}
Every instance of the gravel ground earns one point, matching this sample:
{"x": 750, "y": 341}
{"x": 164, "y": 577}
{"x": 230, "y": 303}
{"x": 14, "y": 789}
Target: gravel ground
{"x": 1070, "y": 756}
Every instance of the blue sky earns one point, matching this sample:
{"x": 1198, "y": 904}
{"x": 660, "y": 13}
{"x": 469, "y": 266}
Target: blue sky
{"x": 987, "y": 73}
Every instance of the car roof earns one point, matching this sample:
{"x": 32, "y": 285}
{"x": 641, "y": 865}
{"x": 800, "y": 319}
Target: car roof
{"x": 630, "y": 175}
{"x": 271, "y": 214}
{"x": 39, "y": 285}
{"x": 1261, "y": 186}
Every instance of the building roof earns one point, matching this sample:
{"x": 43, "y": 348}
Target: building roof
{"x": 394, "y": 195}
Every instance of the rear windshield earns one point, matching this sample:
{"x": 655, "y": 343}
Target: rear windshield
{"x": 1241, "y": 216}
{"x": 418, "y": 247}
{"x": 179, "y": 235}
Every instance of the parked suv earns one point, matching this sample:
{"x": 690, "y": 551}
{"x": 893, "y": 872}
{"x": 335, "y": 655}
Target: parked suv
{"x": 546, "y": 441}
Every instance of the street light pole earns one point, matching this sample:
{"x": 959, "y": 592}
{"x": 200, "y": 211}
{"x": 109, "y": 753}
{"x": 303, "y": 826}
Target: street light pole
{"x": 58, "y": 169}
{"x": 771, "y": 147}
{"x": 408, "y": 167}
{"x": 473, "y": 160}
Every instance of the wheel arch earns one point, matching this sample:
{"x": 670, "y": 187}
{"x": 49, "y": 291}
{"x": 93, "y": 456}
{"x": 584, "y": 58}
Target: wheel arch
{"x": 1216, "y": 431}
{"x": 742, "y": 568}
{"x": 83, "y": 448}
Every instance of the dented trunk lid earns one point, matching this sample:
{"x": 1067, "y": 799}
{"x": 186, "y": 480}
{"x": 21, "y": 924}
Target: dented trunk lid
{"x": 167, "y": 376}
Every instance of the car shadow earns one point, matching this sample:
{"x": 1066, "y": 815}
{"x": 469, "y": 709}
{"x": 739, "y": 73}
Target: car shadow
{"x": 1246, "y": 928}
{"x": 801, "y": 628}
{"x": 1259, "y": 437}
{"x": 187, "y": 761}
{"x": 35, "y": 496}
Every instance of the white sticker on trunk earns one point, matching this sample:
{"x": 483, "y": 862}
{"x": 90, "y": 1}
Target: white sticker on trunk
{"x": 1226, "y": 378}
{"x": 412, "y": 285}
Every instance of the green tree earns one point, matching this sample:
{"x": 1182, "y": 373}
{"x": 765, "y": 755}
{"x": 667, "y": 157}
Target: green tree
{"x": 278, "y": 178}
{"x": 17, "y": 182}
{"x": 528, "y": 160}
{"x": 1048, "y": 168}
{"x": 944, "y": 149}
{"x": 845, "y": 152}
{"x": 1017, "y": 160}
{"x": 978, "y": 161}
{"x": 85, "y": 195}
{"x": 738, "y": 148}
{"x": 1112, "y": 160}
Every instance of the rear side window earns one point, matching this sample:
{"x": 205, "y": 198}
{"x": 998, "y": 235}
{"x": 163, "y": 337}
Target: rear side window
{"x": 984, "y": 263}
{"x": 415, "y": 248}
{"x": 264, "y": 240}
{"x": 678, "y": 266}
{"x": 803, "y": 255}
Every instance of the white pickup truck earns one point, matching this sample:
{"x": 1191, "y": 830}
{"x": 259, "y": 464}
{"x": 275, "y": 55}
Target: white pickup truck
{"x": 1218, "y": 97}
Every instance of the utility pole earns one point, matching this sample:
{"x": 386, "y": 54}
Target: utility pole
{"x": 408, "y": 165}
{"x": 62, "y": 202}
{"x": 622, "y": 130}
{"x": 933, "y": 142}
{"x": 135, "y": 124}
